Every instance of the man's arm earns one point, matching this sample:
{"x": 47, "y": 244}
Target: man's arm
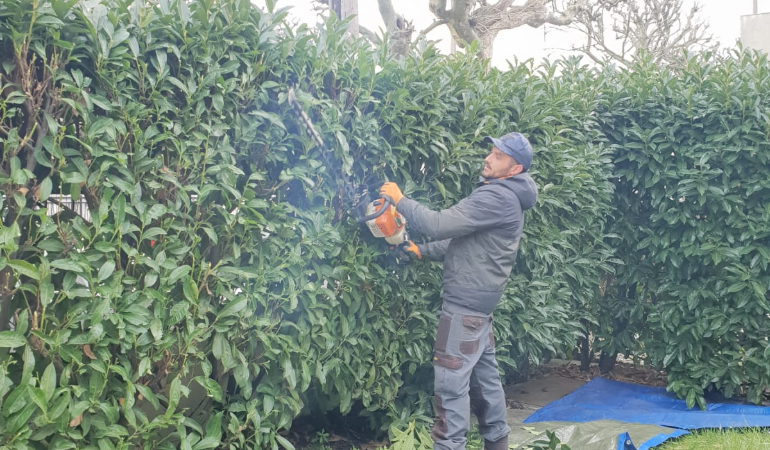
{"x": 478, "y": 211}
{"x": 434, "y": 250}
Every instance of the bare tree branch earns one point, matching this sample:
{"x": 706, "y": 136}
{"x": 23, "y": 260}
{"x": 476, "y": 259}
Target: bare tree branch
{"x": 388, "y": 13}
{"x": 368, "y": 34}
{"x": 482, "y": 20}
{"x": 438, "y": 7}
{"x": 618, "y": 30}
{"x": 399, "y": 29}
{"x": 487, "y": 21}
{"x": 663, "y": 28}
{"x": 432, "y": 27}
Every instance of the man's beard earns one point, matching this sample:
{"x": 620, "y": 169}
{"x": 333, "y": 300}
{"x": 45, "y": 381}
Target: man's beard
{"x": 486, "y": 172}
{"x": 489, "y": 174}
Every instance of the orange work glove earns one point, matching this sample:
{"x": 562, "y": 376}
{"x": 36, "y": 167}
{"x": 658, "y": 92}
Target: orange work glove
{"x": 409, "y": 250}
{"x": 391, "y": 192}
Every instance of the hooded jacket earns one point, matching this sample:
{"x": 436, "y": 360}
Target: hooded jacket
{"x": 478, "y": 239}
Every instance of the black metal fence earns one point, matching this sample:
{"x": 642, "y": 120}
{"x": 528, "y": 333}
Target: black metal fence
{"x": 58, "y": 202}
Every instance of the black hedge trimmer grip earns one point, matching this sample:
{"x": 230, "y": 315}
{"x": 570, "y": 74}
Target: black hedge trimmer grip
{"x": 377, "y": 214}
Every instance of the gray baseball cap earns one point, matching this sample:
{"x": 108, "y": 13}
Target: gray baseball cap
{"x": 516, "y": 146}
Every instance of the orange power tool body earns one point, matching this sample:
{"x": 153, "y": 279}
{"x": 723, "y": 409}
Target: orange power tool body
{"x": 385, "y": 222}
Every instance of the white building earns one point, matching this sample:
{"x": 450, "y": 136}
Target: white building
{"x": 755, "y": 30}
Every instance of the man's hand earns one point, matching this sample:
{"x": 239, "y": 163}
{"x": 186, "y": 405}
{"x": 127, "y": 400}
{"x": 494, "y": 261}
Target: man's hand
{"x": 408, "y": 251}
{"x": 391, "y": 192}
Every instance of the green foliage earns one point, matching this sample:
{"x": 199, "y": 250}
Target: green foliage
{"x": 551, "y": 296}
{"x": 148, "y": 310}
{"x": 692, "y": 151}
{"x": 552, "y": 442}
{"x": 413, "y": 437}
{"x": 320, "y": 441}
{"x": 739, "y": 439}
{"x": 217, "y": 287}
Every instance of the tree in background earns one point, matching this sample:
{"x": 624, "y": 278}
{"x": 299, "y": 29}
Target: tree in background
{"x": 619, "y": 30}
{"x": 481, "y": 20}
{"x": 399, "y": 29}
{"x": 470, "y": 20}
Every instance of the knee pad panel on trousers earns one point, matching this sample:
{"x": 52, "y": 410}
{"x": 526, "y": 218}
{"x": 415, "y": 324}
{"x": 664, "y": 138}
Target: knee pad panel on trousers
{"x": 439, "y": 425}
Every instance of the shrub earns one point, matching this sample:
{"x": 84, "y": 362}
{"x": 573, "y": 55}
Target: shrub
{"x": 215, "y": 287}
{"x": 691, "y": 157}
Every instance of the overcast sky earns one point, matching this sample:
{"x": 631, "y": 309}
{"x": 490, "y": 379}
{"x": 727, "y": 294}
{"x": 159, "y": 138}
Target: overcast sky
{"x": 723, "y": 16}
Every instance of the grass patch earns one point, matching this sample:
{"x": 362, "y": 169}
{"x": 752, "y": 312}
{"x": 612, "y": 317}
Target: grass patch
{"x": 743, "y": 439}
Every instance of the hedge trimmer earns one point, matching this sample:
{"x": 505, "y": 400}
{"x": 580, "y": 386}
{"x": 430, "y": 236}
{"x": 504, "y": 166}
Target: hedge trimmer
{"x": 379, "y": 215}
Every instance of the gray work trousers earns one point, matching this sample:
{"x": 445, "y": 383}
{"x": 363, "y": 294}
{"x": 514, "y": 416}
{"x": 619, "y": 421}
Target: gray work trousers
{"x": 467, "y": 379}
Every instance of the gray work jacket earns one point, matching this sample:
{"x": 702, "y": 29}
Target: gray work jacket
{"x": 477, "y": 239}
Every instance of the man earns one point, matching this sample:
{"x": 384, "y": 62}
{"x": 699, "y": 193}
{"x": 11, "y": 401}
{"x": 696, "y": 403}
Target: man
{"x": 477, "y": 239}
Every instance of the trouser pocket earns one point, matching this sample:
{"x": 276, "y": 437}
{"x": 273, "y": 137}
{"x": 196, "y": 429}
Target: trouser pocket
{"x": 448, "y": 361}
{"x": 442, "y": 335}
{"x": 472, "y": 325}
{"x": 446, "y": 337}
{"x": 472, "y": 330}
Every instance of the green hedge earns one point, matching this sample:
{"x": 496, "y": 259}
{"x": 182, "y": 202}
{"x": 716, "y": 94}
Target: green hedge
{"x": 692, "y": 153}
{"x": 220, "y": 288}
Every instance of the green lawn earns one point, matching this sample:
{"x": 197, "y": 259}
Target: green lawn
{"x": 746, "y": 439}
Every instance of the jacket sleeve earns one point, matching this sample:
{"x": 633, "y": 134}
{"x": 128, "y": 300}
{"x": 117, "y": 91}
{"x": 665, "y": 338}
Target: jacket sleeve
{"x": 434, "y": 250}
{"x": 478, "y": 211}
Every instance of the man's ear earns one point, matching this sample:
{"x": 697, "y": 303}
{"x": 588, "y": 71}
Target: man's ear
{"x": 515, "y": 170}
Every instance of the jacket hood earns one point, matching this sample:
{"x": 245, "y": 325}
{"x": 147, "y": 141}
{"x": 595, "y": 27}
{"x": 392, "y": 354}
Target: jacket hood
{"x": 522, "y": 185}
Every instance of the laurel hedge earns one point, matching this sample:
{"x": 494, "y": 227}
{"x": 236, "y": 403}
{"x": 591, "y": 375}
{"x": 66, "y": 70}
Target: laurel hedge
{"x": 215, "y": 286}
{"x": 218, "y": 287}
{"x": 691, "y": 219}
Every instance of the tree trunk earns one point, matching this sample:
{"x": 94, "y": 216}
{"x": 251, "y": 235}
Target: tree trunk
{"x": 345, "y": 9}
{"x": 350, "y": 8}
{"x": 585, "y": 351}
{"x": 522, "y": 369}
{"x": 607, "y": 362}
{"x": 399, "y": 29}
{"x": 5, "y": 299}
{"x": 487, "y": 42}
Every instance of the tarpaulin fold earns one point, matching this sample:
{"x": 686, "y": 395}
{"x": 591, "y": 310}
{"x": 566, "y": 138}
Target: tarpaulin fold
{"x": 596, "y": 435}
{"x": 636, "y": 406}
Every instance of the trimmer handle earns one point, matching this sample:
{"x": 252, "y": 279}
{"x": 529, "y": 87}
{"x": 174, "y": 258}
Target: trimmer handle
{"x": 377, "y": 214}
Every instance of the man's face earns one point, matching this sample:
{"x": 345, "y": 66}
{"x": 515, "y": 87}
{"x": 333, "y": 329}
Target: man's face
{"x": 499, "y": 165}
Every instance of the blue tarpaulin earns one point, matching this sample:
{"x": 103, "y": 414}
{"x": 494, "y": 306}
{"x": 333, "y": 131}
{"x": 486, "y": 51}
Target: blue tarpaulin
{"x": 603, "y": 399}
